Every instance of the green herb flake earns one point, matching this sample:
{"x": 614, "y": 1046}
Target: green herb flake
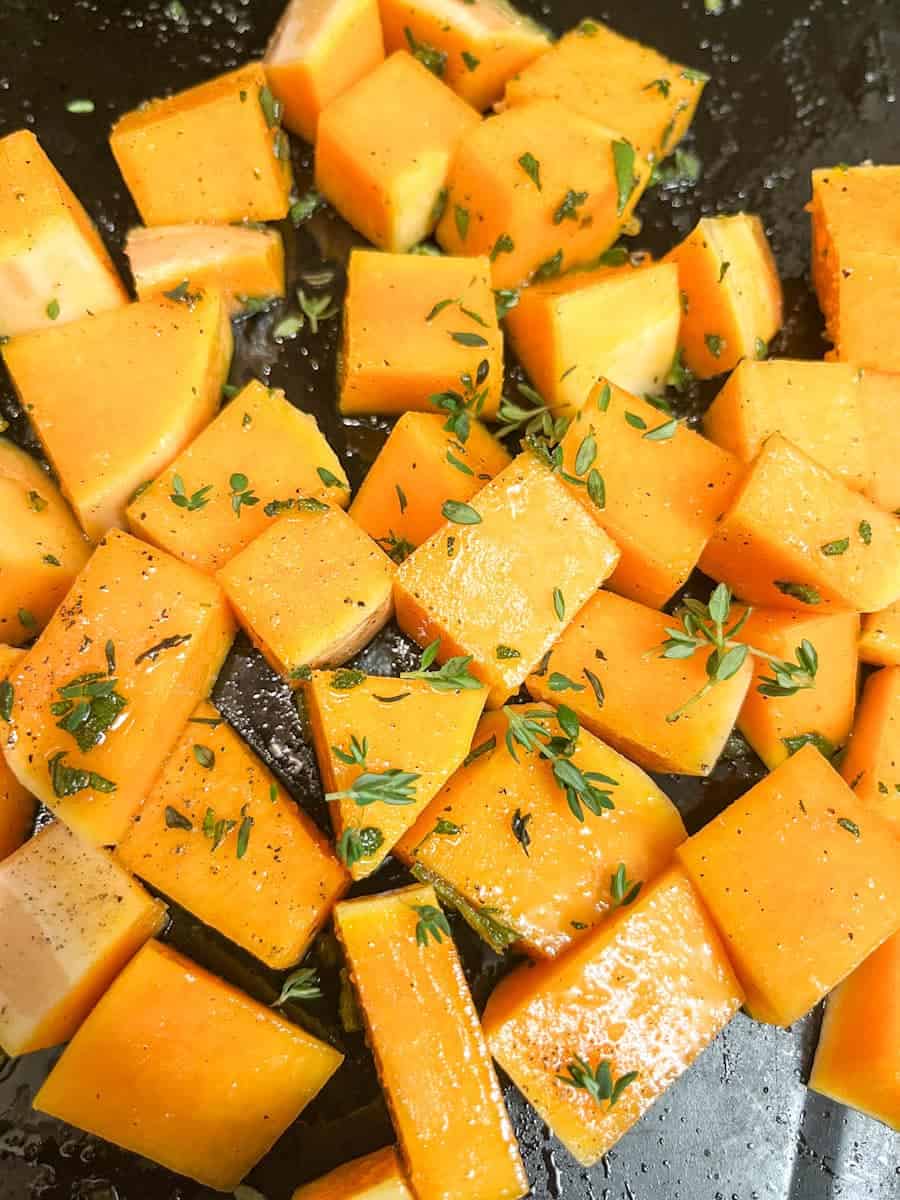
{"x": 356, "y": 844}
{"x": 715, "y": 344}
{"x": 461, "y": 217}
{"x": 662, "y": 433}
{"x": 196, "y": 500}
{"x": 36, "y": 502}
{"x": 850, "y": 826}
{"x": 550, "y": 268}
{"x": 507, "y": 652}
{"x": 346, "y": 678}
{"x": 51, "y": 560}
{"x": 479, "y": 751}
{"x": 7, "y": 695}
{"x": 503, "y": 245}
{"x": 272, "y": 108}
{"x": 80, "y": 106}
{"x": 532, "y": 168}
{"x": 177, "y": 820}
{"x": 470, "y": 60}
{"x": 439, "y": 206}
{"x": 839, "y": 546}
{"x": 401, "y": 498}
{"x": 329, "y": 478}
{"x": 204, "y": 757}
{"x": 803, "y": 592}
{"x": 302, "y": 209}
{"x": 626, "y": 179}
{"x": 460, "y": 513}
{"x": 567, "y": 210}
{"x": 562, "y": 683}
{"x": 53, "y": 309}
{"x": 435, "y": 60}
{"x": 559, "y": 604}
{"x": 68, "y": 781}
{"x": 243, "y": 837}
{"x": 438, "y": 308}
{"x": 464, "y": 338}
{"x": 635, "y": 421}
{"x": 242, "y": 494}
{"x": 458, "y": 464}
{"x": 865, "y": 533}
{"x": 520, "y": 822}
{"x": 598, "y": 1083}
{"x": 623, "y": 891}
{"x": 432, "y": 923}
{"x": 694, "y": 76}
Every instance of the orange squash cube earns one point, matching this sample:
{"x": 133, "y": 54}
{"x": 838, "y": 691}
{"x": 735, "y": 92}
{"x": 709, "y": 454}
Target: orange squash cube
{"x": 53, "y": 265}
{"x": 420, "y": 467}
{"x": 16, "y": 804}
{"x": 415, "y": 326}
{"x": 796, "y": 537}
{"x": 444, "y": 1098}
{"x": 378, "y": 1176}
{"x": 799, "y": 842}
{"x": 731, "y": 293}
{"x": 644, "y": 993}
{"x": 871, "y": 765}
{"x": 384, "y": 148}
{"x": 311, "y": 590}
{"x": 539, "y": 189}
{"x": 260, "y": 438}
{"x": 491, "y": 580}
{"x": 879, "y": 642}
{"x": 178, "y": 1066}
{"x": 612, "y": 650}
{"x": 686, "y": 483}
{"x": 99, "y": 700}
{"x": 879, "y": 394}
{"x": 215, "y": 152}
{"x": 139, "y": 383}
{"x": 317, "y": 51}
{"x": 70, "y": 919}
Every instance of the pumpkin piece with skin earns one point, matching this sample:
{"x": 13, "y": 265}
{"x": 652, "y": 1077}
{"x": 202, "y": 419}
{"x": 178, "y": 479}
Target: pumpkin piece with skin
{"x": 871, "y": 765}
{"x": 17, "y": 805}
{"x": 879, "y": 642}
{"x": 378, "y": 1176}
{"x": 879, "y": 394}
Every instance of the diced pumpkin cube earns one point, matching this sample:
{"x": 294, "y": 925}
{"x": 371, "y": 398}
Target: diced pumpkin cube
{"x": 420, "y": 467}
{"x": 311, "y": 590}
{"x": 378, "y": 1176}
{"x": 879, "y": 394}
{"x": 416, "y": 326}
{"x": 70, "y": 919}
{"x": 686, "y": 483}
{"x": 871, "y": 765}
{"x": 859, "y": 1044}
{"x": 42, "y": 549}
{"x": 815, "y": 405}
{"x": 178, "y": 1066}
{"x": 215, "y": 152}
{"x": 195, "y": 508}
{"x": 400, "y": 725}
{"x": 434, "y": 1066}
{"x": 879, "y": 642}
{"x": 101, "y": 697}
{"x": 614, "y": 645}
{"x": 139, "y": 383}
{"x": 620, "y": 323}
{"x": 384, "y": 148}
{"x": 539, "y": 189}
{"x": 796, "y": 537}
{"x": 475, "y": 48}
{"x": 16, "y": 805}
{"x": 616, "y": 82}
{"x": 731, "y": 293}
{"x": 645, "y": 994}
{"x": 799, "y": 842}
{"x": 218, "y": 835}
{"x": 317, "y": 51}
{"x": 492, "y": 579}
{"x": 503, "y": 836}
{"x": 53, "y": 265}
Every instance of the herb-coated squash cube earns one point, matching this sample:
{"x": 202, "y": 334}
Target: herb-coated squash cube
{"x": 731, "y": 293}
{"x": 140, "y": 382}
{"x": 70, "y": 919}
{"x": 799, "y": 841}
{"x": 879, "y": 642}
{"x": 434, "y": 1066}
{"x": 378, "y": 1176}
{"x": 420, "y": 467}
{"x": 259, "y": 458}
{"x": 317, "y": 51}
{"x": 871, "y": 765}
{"x": 42, "y": 549}
{"x": 502, "y": 835}
{"x": 53, "y": 265}
{"x": 795, "y": 536}
{"x": 616, "y": 82}
{"x": 384, "y": 148}
{"x": 615, "y": 645}
{"x": 493, "y": 583}
{"x": 178, "y": 1066}
{"x": 16, "y": 805}
{"x": 539, "y": 189}
{"x": 880, "y": 396}
{"x": 417, "y": 326}
{"x": 594, "y": 1037}
{"x": 99, "y": 700}
{"x": 310, "y": 590}
{"x": 215, "y": 152}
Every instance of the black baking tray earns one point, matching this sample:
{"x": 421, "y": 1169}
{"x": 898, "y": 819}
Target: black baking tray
{"x": 795, "y": 84}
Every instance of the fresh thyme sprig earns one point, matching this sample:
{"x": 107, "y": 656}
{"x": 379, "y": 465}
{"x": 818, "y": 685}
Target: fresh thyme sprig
{"x": 599, "y": 1083}
{"x": 462, "y": 407}
{"x": 535, "y": 419}
{"x": 387, "y": 787}
{"x": 453, "y": 676}
{"x": 302, "y": 984}
{"x": 356, "y": 755}
{"x": 432, "y": 922}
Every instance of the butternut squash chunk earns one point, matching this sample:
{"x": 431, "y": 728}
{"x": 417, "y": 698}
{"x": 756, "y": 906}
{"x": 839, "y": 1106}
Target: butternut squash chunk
{"x": 384, "y": 148}
{"x": 446, "y": 1104}
{"x": 310, "y": 591}
{"x": 16, "y": 805}
{"x": 685, "y": 485}
{"x": 421, "y": 466}
{"x": 612, "y": 651}
{"x": 501, "y": 833}
{"x": 42, "y": 549}
{"x": 796, "y": 537}
{"x": 375, "y": 726}
{"x": 140, "y": 382}
{"x": 178, "y": 1066}
{"x": 378, "y": 1176}
{"x": 645, "y": 994}
{"x": 539, "y": 189}
{"x": 417, "y": 326}
{"x": 317, "y": 51}
{"x": 99, "y": 700}
{"x": 731, "y": 293}
{"x": 53, "y": 265}
{"x": 70, "y": 919}
{"x": 492, "y": 579}
{"x": 879, "y": 641}
{"x": 215, "y": 152}
{"x": 871, "y": 765}
{"x": 799, "y": 842}
{"x": 616, "y": 82}
{"x": 196, "y": 509}
{"x": 879, "y": 394}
